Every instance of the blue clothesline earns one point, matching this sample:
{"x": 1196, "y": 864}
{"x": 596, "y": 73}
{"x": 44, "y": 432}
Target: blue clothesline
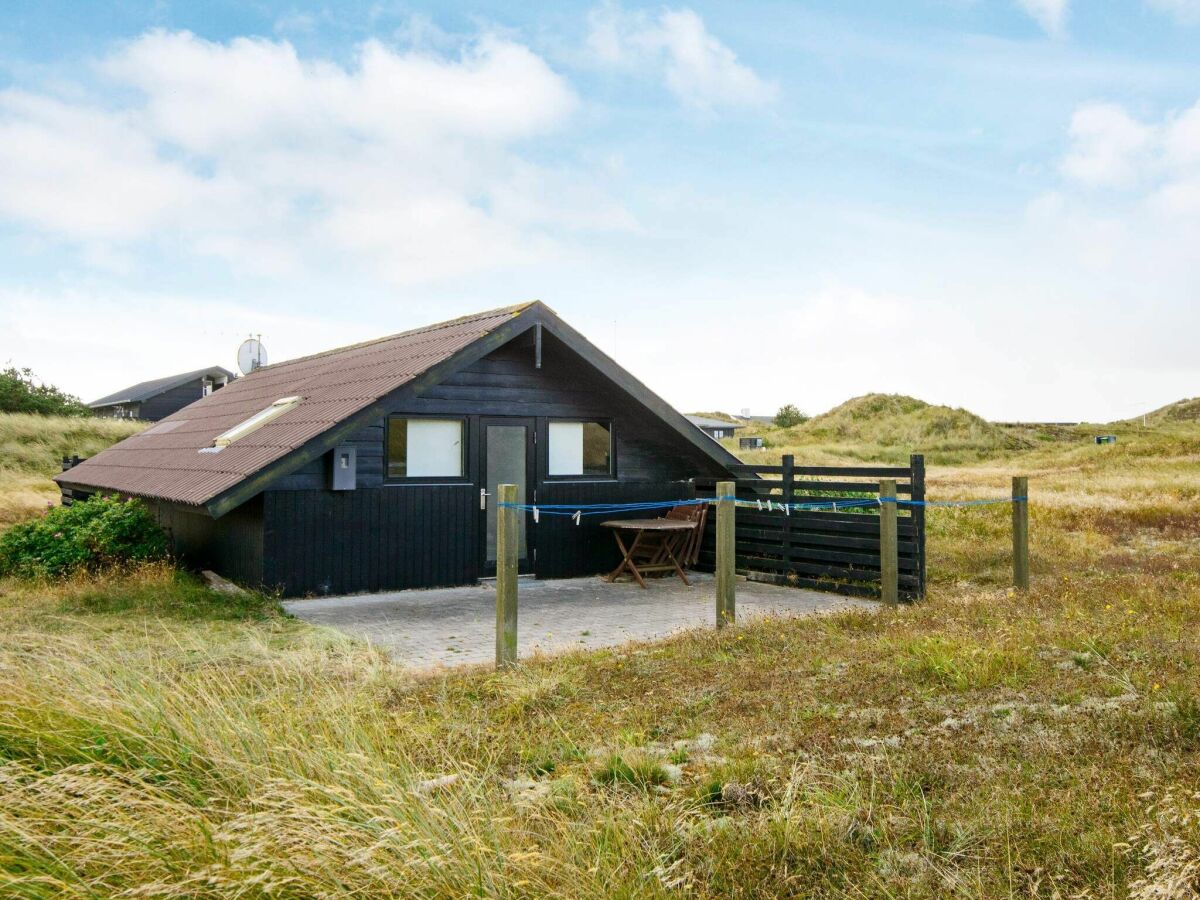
{"x": 578, "y": 510}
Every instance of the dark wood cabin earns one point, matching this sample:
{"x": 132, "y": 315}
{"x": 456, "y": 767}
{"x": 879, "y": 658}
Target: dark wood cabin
{"x": 715, "y": 428}
{"x": 374, "y": 467}
{"x": 153, "y": 400}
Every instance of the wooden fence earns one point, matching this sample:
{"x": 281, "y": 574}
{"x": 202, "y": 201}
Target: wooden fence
{"x": 825, "y": 549}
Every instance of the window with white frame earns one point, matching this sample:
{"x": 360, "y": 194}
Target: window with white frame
{"x": 425, "y": 448}
{"x": 580, "y": 448}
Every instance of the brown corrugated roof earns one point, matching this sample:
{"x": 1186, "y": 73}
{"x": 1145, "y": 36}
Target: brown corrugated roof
{"x": 165, "y": 461}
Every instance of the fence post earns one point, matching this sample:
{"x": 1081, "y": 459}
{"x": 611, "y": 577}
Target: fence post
{"x": 1020, "y": 511}
{"x": 506, "y": 576}
{"x": 789, "y": 494}
{"x": 726, "y": 553}
{"x": 916, "y": 463}
{"x": 889, "y": 550}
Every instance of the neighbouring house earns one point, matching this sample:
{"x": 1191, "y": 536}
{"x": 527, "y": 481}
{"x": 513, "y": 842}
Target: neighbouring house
{"x": 715, "y": 428}
{"x": 751, "y": 443}
{"x": 374, "y": 467}
{"x": 157, "y": 399}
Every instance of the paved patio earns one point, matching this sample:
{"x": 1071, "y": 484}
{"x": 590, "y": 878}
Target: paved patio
{"x": 456, "y": 626}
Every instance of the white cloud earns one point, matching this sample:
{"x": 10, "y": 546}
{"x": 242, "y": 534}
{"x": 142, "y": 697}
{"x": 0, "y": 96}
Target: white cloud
{"x": 1050, "y": 14}
{"x": 1108, "y": 145}
{"x": 1110, "y": 148}
{"x": 83, "y": 172}
{"x": 696, "y": 67}
{"x": 1181, "y": 140}
{"x": 1184, "y": 11}
{"x": 404, "y": 160}
{"x": 1129, "y": 207}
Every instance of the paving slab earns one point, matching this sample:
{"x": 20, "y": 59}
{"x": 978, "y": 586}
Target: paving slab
{"x": 456, "y": 626}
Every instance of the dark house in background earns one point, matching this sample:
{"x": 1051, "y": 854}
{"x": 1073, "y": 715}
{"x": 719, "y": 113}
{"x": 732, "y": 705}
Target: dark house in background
{"x": 374, "y": 467}
{"x": 715, "y": 428}
{"x": 157, "y": 399}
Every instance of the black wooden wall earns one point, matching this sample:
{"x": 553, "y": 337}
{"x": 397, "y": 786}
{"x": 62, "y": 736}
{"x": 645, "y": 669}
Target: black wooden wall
{"x": 231, "y": 545}
{"x": 326, "y": 542}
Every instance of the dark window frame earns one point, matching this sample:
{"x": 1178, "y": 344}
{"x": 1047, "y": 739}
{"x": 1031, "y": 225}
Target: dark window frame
{"x": 584, "y": 420}
{"x": 390, "y": 479}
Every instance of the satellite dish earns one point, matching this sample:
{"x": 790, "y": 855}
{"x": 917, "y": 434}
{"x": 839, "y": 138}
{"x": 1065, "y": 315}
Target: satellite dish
{"x": 251, "y": 355}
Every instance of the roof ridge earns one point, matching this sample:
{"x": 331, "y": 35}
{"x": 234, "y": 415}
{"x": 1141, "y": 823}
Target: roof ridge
{"x": 513, "y": 308}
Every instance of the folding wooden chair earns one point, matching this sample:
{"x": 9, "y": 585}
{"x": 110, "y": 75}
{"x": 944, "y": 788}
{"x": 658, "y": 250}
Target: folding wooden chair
{"x": 657, "y": 549}
{"x": 698, "y": 513}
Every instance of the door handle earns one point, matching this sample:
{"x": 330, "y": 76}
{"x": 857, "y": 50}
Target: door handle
{"x": 483, "y": 495}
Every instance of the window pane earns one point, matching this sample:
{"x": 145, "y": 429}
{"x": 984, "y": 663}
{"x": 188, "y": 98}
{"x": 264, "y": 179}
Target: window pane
{"x": 397, "y": 449}
{"x": 597, "y": 449}
{"x": 566, "y": 448}
{"x": 505, "y": 465}
{"x": 425, "y": 448}
{"x": 580, "y": 448}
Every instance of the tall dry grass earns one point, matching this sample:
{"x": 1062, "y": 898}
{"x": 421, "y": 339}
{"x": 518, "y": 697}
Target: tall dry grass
{"x": 31, "y": 451}
{"x": 983, "y": 743}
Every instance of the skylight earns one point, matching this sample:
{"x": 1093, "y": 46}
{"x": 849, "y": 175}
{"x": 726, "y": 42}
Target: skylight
{"x": 256, "y": 421}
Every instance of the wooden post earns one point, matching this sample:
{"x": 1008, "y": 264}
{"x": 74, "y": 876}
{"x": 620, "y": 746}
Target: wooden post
{"x": 889, "y": 549}
{"x": 726, "y": 553}
{"x": 916, "y": 463}
{"x": 506, "y": 576}
{"x": 789, "y": 496}
{"x": 1020, "y": 510}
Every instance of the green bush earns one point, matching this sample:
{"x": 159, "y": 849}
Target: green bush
{"x": 21, "y": 393}
{"x": 100, "y": 533}
{"x": 789, "y": 416}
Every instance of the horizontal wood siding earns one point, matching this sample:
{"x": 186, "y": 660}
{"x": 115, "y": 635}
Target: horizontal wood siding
{"x": 826, "y": 549}
{"x": 231, "y": 546}
{"x": 323, "y": 542}
{"x": 565, "y": 550}
{"x": 506, "y": 383}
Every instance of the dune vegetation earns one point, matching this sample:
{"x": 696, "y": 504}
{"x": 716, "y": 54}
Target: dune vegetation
{"x": 886, "y": 428}
{"x": 31, "y": 450}
{"x": 160, "y": 740}
{"x": 1179, "y": 411}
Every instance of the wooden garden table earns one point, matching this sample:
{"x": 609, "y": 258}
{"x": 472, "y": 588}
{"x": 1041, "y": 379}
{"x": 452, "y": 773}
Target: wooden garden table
{"x": 654, "y": 555}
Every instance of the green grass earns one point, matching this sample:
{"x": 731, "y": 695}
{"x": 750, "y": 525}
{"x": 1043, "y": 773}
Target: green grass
{"x": 160, "y": 740}
{"x": 163, "y": 592}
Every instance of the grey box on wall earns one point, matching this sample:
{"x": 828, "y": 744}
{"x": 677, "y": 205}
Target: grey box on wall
{"x": 343, "y": 468}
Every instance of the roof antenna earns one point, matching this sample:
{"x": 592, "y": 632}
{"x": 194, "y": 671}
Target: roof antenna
{"x": 252, "y": 354}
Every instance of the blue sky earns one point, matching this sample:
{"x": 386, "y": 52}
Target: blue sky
{"x": 986, "y": 203}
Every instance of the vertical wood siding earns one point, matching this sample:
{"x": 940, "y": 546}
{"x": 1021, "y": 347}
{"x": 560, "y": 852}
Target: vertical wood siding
{"x": 322, "y": 542}
{"x": 231, "y": 546}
